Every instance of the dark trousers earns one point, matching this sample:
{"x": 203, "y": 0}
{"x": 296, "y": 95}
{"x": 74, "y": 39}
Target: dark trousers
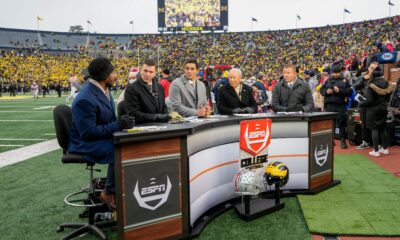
{"x": 380, "y": 136}
{"x": 366, "y": 132}
{"x": 341, "y": 120}
{"x": 110, "y": 182}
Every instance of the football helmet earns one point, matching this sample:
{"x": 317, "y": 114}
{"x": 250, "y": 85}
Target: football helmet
{"x": 277, "y": 172}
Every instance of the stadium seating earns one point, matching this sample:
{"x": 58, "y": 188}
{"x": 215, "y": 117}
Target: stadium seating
{"x": 253, "y": 52}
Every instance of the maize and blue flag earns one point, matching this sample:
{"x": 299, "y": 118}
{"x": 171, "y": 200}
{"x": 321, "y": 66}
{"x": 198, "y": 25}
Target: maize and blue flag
{"x": 346, "y": 11}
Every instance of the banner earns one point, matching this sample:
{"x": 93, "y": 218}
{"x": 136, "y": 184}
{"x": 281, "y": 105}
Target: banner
{"x": 255, "y": 137}
{"x": 388, "y": 57}
{"x": 321, "y": 153}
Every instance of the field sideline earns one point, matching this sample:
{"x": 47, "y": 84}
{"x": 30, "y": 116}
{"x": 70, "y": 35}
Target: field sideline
{"x": 25, "y": 122}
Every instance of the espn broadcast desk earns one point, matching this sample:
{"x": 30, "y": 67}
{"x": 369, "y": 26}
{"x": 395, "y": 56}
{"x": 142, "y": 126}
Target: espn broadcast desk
{"x": 172, "y": 180}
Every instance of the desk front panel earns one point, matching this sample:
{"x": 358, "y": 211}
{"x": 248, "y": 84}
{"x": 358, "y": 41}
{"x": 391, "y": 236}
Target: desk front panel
{"x": 214, "y": 161}
{"x": 151, "y": 186}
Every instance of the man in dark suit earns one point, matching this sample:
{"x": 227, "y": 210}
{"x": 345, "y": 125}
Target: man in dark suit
{"x": 236, "y": 97}
{"x": 94, "y": 122}
{"x": 292, "y": 94}
{"x": 144, "y": 99}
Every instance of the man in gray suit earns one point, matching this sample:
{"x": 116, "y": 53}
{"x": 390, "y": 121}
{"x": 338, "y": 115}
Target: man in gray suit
{"x": 187, "y": 95}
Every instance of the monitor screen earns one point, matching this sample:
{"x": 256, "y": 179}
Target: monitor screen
{"x": 192, "y": 15}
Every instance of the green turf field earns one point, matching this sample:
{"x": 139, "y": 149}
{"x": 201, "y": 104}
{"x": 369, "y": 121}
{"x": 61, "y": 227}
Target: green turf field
{"x": 24, "y": 121}
{"x": 32, "y": 206}
{"x": 32, "y": 192}
{"x": 367, "y": 202}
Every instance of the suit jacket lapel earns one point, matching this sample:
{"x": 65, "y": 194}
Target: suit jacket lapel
{"x": 148, "y": 94}
{"x": 101, "y": 96}
{"x": 188, "y": 86}
{"x": 243, "y": 95}
{"x": 233, "y": 93}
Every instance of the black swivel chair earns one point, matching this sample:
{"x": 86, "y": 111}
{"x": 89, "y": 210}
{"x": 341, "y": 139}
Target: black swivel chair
{"x": 63, "y": 121}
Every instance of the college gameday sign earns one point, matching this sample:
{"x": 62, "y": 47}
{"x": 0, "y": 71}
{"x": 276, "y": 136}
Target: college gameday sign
{"x": 255, "y": 137}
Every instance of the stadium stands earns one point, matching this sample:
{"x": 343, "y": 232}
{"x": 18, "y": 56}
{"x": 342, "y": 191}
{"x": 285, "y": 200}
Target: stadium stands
{"x": 253, "y": 52}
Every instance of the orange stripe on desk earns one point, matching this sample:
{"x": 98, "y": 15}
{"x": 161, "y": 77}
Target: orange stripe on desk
{"x": 236, "y": 161}
{"x": 289, "y": 155}
{"x": 211, "y": 168}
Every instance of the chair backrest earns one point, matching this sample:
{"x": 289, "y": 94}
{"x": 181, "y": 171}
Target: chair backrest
{"x": 62, "y": 122}
{"x": 121, "y": 109}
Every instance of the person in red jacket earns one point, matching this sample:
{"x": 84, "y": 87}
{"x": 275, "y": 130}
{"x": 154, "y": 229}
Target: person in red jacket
{"x": 166, "y": 81}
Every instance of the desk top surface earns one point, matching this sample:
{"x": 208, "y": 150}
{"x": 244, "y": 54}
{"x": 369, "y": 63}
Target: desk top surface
{"x": 168, "y": 130}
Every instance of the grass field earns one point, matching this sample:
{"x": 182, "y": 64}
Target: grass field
{"x": 24, "y": 122}
{"x": 32, "y": 206}
{"x": 365, "y": 203}
{"x": 32, "y": 191}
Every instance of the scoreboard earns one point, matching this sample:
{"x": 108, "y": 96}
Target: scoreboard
{"x": 192, "y": 15}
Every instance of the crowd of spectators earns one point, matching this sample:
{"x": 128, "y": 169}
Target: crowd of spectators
{"x": 264, "y": 52}
{"x": 267, "y": 51}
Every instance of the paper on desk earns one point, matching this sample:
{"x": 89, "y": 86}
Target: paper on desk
{"x": 248, "y": 114}
{"x": 242, "y": 114}
{"x": 217, "y": 116}
{"x": 290, "y": 113}
{"x": 145, "y": 128}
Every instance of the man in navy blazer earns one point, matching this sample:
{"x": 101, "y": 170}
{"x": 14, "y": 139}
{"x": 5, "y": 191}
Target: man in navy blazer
{"x": 94, "y": 121}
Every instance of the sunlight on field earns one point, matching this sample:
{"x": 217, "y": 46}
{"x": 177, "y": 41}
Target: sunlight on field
{"x": 15, "y": 98}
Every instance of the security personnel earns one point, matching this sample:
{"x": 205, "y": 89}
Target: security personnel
{"x": 335, "y": 90}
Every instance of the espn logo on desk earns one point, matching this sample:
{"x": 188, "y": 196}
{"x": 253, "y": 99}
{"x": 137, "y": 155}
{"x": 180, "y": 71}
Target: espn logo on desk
{"x": 152, "y": 190}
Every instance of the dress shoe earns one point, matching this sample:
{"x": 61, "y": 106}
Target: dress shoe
{"x": 109, "y": 200}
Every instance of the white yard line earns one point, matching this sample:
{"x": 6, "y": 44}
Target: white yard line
{"x": 23, "y": 139}
{"x": 23, "y": 111}
{"x": 9, "y": 106}
{"x": 49, "y": 134}
{"x": 3, "y": 120}
{"x": 11, "y": 145}
{"x": 25, "y": 153}
{"x": 45, "y": 107}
